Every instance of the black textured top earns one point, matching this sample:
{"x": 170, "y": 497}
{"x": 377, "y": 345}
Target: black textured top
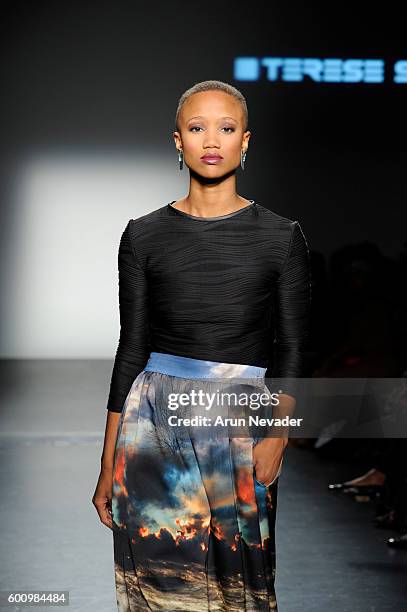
{"x": 234, "y": 288}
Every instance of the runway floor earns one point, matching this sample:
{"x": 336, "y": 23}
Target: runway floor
{"x": 329, "y": 555}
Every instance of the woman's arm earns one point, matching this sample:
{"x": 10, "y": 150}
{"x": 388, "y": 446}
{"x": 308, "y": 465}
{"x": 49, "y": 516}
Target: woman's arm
{"x": 112, "y": 425}
{"x": 133, "y": 348}
{"x": 292, "y": 310}
{"x": 102, "y": 497}
{"x": 292, "y": 313}
{"x": 131, "y": 356}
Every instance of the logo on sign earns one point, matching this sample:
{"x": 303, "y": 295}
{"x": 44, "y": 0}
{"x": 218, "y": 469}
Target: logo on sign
{"x": 328, "y": 70}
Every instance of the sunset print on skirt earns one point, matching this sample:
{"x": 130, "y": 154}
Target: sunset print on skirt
{"x": 192, "y": 527}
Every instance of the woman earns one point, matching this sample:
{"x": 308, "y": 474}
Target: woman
{"x": 204, "y": 283}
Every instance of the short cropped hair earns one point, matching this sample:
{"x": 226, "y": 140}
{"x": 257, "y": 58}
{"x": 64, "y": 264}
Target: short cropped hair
{"x": 210, "y": 86}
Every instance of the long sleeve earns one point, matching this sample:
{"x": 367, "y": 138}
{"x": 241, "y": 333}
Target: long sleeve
{"x": 133, "y": 348}
{"x": 292, "y": 310}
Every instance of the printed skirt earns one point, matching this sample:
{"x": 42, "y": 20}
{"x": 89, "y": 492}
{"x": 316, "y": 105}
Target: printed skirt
{"x": 193, "y": 530}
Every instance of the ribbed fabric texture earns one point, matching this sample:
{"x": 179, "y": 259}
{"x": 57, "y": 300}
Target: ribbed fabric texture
{"x": 235, "y": 288}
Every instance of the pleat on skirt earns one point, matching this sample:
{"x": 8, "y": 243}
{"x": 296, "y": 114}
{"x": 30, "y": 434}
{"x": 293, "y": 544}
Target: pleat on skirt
{"x": 193, "y": 530}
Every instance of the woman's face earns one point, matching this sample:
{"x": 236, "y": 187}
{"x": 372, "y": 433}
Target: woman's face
{"x": 211, "y": 122}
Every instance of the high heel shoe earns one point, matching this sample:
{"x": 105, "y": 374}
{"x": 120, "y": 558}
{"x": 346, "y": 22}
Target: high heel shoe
{"x": 357, "y": 490}
{"x": 400, "y": 542}
{"x": 370, "y": 490}
{"x": 337, "y": 486}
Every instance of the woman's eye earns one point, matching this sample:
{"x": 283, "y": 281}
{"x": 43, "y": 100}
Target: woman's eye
{"x": 198, "y": 127}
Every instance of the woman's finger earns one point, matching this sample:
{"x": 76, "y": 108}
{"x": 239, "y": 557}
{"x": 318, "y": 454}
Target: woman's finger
{"x": 267, "y": 473}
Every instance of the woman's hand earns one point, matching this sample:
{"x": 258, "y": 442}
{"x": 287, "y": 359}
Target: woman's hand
{"x": 267, "y": 456}
{"x": 102, "y": 498}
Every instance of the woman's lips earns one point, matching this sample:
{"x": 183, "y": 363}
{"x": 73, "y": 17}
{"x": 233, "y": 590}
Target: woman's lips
{"x": 211, "y": 160}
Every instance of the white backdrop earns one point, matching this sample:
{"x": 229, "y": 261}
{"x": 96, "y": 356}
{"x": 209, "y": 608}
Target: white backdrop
{"x": 59, "y": 268}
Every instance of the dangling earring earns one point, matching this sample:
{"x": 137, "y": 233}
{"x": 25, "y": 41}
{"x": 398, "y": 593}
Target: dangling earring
{"x": 242, "y": 158}
{"x": 180, "y": 158}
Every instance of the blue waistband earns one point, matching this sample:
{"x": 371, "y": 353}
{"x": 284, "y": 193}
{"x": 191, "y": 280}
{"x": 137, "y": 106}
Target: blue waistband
{"x": 188, "y": 367}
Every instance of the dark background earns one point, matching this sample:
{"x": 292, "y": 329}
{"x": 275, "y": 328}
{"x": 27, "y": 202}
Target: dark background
{"x": 107, "y": 76}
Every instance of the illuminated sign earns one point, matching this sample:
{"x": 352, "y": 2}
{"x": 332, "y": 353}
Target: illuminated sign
{"x": 328, "y": 70}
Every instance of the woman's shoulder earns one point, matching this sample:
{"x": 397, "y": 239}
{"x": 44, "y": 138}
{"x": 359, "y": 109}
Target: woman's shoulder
{"x": 147, "y": 232}
{"x": 150, "y": 217}
{"x": 146, "y": 223}
{"x": 273, "y": 217}
{"x": 286, "y": 233}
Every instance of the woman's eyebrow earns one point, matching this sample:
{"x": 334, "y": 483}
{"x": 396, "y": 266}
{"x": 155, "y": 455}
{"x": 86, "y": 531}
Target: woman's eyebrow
{"x": 201, "y": 117}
